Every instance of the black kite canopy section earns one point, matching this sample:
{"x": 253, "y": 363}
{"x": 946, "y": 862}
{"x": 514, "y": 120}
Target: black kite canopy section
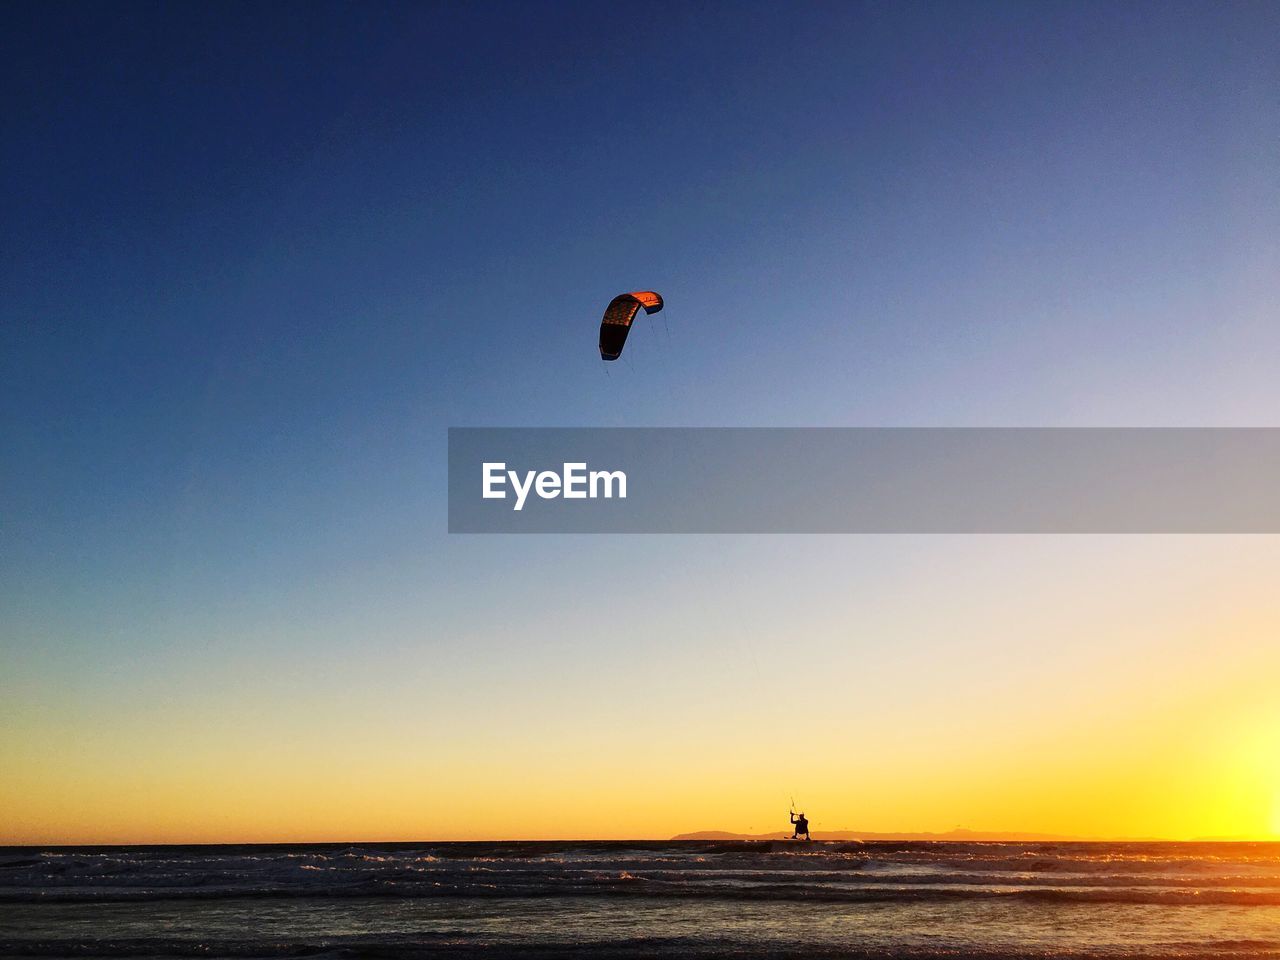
{"x": 618, "y": 315}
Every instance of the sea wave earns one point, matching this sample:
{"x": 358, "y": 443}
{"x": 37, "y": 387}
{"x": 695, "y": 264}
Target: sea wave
{"x": 422, "y": 946}
{"x": 1241, "y": 875}
{"x": 626, "y": 884}
{"x": 750, "y": 899}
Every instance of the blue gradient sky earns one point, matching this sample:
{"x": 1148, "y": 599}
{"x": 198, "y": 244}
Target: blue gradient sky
{"x": 257, "y": 259}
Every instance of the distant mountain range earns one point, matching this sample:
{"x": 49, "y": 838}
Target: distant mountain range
{"x": 958, "y": 834}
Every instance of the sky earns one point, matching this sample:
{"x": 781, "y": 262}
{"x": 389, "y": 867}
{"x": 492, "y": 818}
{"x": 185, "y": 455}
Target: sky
{"x": 256, "y": 259}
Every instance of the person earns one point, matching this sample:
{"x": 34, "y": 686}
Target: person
{"x": 802, "y": 826}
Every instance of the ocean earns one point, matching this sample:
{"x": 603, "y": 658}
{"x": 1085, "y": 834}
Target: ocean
{"x": 739, "y": 899}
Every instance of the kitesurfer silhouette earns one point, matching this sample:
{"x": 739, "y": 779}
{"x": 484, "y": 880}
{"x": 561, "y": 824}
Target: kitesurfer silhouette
{"x": 802, "y": 826}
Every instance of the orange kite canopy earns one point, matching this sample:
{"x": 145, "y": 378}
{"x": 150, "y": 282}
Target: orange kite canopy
{"x": 618, "y": 315}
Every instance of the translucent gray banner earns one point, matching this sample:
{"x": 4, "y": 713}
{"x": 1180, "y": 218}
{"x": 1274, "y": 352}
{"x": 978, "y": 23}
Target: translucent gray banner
{"x": 864, "y": 480}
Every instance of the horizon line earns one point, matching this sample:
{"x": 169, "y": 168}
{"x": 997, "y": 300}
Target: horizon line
{"x": 961, "y": 835}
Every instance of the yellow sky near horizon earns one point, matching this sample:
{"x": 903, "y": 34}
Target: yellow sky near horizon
{"x": 1145, "y": 707}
